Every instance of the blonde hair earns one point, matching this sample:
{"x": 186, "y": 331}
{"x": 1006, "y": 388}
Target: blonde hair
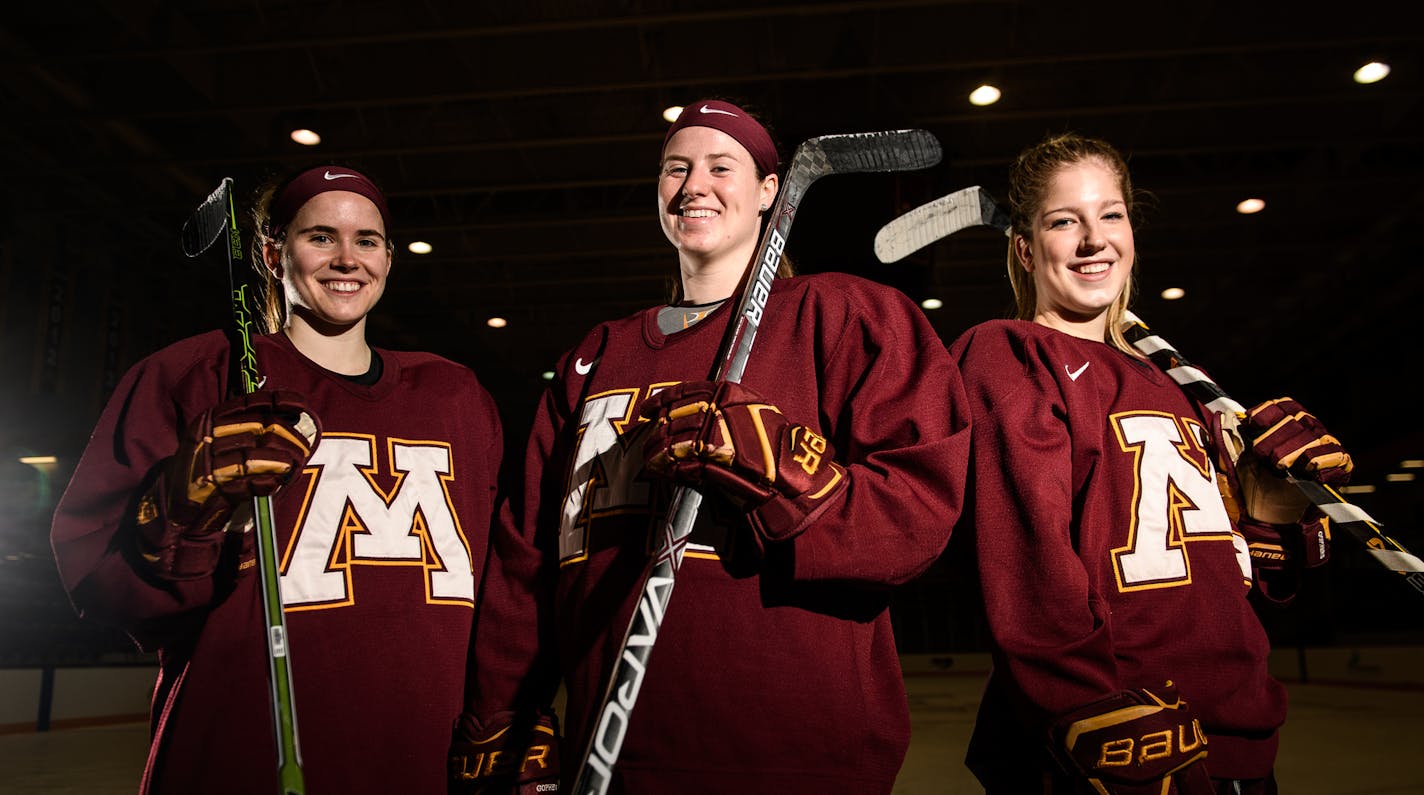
{"x": 1029, "y": 178}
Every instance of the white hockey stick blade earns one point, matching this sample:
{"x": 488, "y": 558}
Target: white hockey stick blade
{"x": 936, "y": 220}
{"x": 209, "y": 221}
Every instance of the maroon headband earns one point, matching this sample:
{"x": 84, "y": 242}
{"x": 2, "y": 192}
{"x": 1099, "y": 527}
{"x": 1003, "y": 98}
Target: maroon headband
{"x": 733, "y": 121}
{"x": 321, "y": 179}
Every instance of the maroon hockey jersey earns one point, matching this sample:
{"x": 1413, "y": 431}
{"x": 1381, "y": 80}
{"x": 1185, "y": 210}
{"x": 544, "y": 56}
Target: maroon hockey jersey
{"x": 775, "y": 669}
{"x": 382, "y": 538}
{"x": 1106, "y": 556}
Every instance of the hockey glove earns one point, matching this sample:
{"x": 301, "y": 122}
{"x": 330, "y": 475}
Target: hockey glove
{"x": 506, "y": 758}
{"x": 727, "y": 436}
{"x": 1293, "y": 440}
{"x": 1283, "y": 438}
{"x": 241, "y": 448}
{"x": 1279, "y": 553}
{"x": 1134, "y": 743}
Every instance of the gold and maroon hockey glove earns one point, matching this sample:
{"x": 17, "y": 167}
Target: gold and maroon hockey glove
{"x": 241, "y": 448}
{"x": 727, "y": 436}
{"x": 508, "y": 757}
{"x": 1280, "y": 438}
{"x": 1281, "y": 552}
{"x": 1137, "y": 742}
{"x": 1292, "y": 440}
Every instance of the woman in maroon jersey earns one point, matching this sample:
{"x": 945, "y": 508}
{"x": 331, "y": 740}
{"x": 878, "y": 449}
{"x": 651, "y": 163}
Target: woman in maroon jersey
{"x": 832, "y": 472}
{"x": 381, "y": 521}
{"x": 1115, "y": 573}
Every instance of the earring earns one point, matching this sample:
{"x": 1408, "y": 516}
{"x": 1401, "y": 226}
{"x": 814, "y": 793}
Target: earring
{"x": 764, "y": 208}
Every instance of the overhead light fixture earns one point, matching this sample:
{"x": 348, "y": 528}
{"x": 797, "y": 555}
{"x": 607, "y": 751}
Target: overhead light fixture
{"x": 1372, "y": 72}
{"x": 1251, "y": 206}
{"x": 1173, "y": 293}
{"x": 547, "y": 375}
{"x": 306, "y": 137}
{"x": 1358, "y": 489}
{"x": 1412, "y": 463}
{"x": 420, "y": 247}
{"x": 984, "y": 95}
{"x": 36, "y": 460}
{"x": 671, "y": 113}
{"x": 496, "y": 322}
{"x": 931, "y": 303}
{"x": 1399, "y": 477}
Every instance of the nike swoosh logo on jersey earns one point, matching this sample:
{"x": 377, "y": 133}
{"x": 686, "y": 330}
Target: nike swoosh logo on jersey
{"x": 330, "y": 176}
{"x": 705, "y": 109}
{"x": 581, "y": 368}
{"x": 1073, "y": 374}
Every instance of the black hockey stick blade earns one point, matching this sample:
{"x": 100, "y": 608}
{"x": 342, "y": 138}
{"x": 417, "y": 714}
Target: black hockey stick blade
{"x": 938, "y": 219}
{"x": 1383, "y": 549}
{"x": 895, "y": 150}
{"x": 209, "y": 222}
{"x": 850, "y": 153}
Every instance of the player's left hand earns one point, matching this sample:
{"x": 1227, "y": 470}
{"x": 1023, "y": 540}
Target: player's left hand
{"x": 1282, "y": 433}
{"x": 727, "y": 436}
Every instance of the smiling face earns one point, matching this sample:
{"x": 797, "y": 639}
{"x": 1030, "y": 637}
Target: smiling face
{"x": 1081, "y": 251}
{"x": 334, "y": 261}
{"x": 710, "y": 196}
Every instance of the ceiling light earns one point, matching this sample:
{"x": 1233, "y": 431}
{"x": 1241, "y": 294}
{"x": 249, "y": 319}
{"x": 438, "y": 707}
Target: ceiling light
{"x": 1399, "y": 477}
{"x": 1360, "y": 489}
{"x": 496, "y": 322}
{"x": 931, "y": 303}
{"x": 420, "y": 247}
{"x": 1412, "y": 463}
{"x": 1251, "y": 206}
{"x": 1372, "y": 72}
{"x": 547, "y": 375}
{"x": 34, "y": 460}
{"x": 984, "y": 95}
{"x": 306, "y": 137}
{"x": 671, "y": 113}
{"x": 1173, "y": 293}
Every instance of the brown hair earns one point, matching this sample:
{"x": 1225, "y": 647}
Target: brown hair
{"x": 1029, "y": 176}
{"x": 273, "y": 299}
{"x": 785, "y": 268}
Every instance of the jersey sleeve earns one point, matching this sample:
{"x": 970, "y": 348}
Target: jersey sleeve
{"x": 93, "y": 531}
{"x": 899, "y": 419}
{"x": 1040, "y": 608}
{"x": 511, "y": 666}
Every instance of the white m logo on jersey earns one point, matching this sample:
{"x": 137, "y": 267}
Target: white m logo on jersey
{"x": 601, "y": 480}
{"x": 1177, "y": 500}
{"x": 348, "y": 521}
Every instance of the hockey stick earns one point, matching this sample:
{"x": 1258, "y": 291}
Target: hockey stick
{"x": 1384, "y": 550}
{"x": 895, "y": 150}
{"x": 948, "y": 214}
{"x": 215, "y": 217}
{"x": 940, "y": 218}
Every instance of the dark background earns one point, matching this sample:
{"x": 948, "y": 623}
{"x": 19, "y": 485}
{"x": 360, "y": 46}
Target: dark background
{"x": 521, "y": 140}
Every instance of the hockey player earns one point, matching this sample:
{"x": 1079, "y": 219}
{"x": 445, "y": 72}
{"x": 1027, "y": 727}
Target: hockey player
{"x": 381, "y": 518}
{"x": 832, "y": 472}
{"x": 1115, "y": 571}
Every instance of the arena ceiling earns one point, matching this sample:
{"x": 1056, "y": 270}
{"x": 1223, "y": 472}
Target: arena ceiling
{"x": 520, "y": 140}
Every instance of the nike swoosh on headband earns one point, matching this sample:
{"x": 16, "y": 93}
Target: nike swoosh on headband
{"x": 330, "y": 176}
{"x": 705, "y": 109}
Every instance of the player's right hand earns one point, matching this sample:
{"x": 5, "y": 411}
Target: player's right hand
{"x": 245, "y": 447}
{"x": 1136, "y": 742}
{"x": 508, "y": 755}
